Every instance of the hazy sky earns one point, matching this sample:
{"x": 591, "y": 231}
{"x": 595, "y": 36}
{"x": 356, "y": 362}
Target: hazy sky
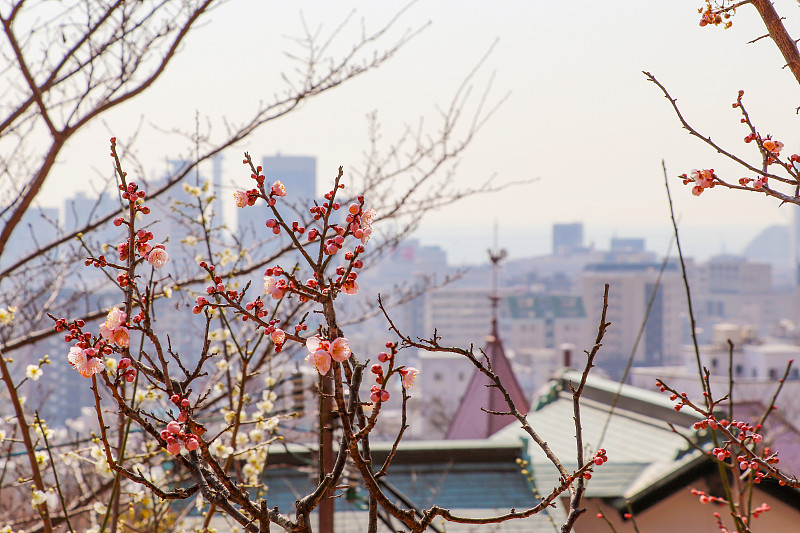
{"x": 580, "y": 116}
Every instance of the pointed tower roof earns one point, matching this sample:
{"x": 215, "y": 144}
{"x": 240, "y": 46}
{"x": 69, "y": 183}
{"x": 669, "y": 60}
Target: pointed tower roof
{"x": 470, "y": 422}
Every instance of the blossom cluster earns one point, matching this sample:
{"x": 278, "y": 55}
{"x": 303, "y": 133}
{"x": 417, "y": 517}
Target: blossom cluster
{"x": 177, "y": 431}
{"x": 321, "y": 352}
{"x": 700, "y": 180}
{"x": 155, "y": 254}
{"x": 114, "y": 329}
{"x": 408, "y": 374}
{"x": 7, "y": 315}
{"x": 87, "y": 356}
{"x": 711, "y": 15}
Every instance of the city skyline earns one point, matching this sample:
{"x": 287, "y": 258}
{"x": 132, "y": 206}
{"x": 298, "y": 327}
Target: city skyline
{"x": 601, "y": 160}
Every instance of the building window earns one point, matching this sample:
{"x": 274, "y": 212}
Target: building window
{"x": 773, "y": 373}
{"x": 714, "y": 362}
{"x": 740, "y": 370}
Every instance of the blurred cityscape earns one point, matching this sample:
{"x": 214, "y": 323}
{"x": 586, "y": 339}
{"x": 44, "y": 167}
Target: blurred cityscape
{"x": 549, "y": 305}
{"x": 547, "y": 315}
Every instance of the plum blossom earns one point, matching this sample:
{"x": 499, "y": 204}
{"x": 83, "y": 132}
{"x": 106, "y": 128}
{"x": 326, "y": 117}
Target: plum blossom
{"x": 774, "y": 147}
{"x": 278, "y": 336}
{"x": 122, "y": 250}
{"x": 275, "y": 287}
{"x": 350, "y": 287}
{"x": 702, "y": 179}
{"x": 33, "y": 372}
{"x": 240, "y": 197}
{"x": 340, "y": 349}
{"x": 409, "y": 374}
{"x": 158, "y": 256}
{"x": 320, "y": 360}
{"x": 278, "y": 189}
{"x": 321, "y": 352}
{"x": 366, "y": 225}
{"x": 86, "y": 365}
{"x": 114, "y": 330}
{"x": 115, "y": 318}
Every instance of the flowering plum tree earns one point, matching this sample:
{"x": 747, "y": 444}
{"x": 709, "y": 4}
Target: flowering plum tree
{"x": 739, "y": 450}
{"x": 772, "y": 174}
{"x": 55, "y": 90}
{"x": 164, "y": 399}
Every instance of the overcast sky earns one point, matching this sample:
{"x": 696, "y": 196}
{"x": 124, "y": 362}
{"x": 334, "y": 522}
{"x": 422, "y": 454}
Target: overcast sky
{"x": 580, "y": 116}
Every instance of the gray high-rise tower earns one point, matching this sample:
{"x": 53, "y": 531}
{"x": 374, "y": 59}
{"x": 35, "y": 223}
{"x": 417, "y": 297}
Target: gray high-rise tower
{"x": 299, "y": 176}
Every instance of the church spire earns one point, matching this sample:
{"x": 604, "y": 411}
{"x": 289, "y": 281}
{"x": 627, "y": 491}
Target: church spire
{"x": 470, "y": 421}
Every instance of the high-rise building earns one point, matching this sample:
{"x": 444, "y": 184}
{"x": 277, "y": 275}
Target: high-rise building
{"x": 299, "y": 175}
{"x": 567, "y": 238}
{"x": 638, "y": 292}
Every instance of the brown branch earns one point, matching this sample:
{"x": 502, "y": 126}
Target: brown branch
{"x": 779, "y": 34}
{"x": 577, "y": 492}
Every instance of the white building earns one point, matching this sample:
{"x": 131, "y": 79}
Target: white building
{"x": 755, "y": 365}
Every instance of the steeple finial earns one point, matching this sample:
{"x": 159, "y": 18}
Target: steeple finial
{"x": 495, "y": 256}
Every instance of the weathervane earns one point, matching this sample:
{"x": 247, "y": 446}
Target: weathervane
{"x": 495, "y": 256}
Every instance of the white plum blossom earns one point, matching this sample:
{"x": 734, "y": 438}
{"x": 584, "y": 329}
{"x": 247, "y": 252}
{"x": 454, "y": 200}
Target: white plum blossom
{"x": 33, "y": 372}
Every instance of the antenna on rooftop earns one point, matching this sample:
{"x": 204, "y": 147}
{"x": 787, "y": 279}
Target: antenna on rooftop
{"x": 495, "y": 256}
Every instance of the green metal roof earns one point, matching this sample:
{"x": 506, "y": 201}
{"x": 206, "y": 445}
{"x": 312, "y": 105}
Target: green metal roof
{"x": 545, "y": 305}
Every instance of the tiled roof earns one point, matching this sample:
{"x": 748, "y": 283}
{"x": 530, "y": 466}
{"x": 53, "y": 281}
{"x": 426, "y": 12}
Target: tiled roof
{"x": 475, "y": 478}
{"x": 637, "y": 438}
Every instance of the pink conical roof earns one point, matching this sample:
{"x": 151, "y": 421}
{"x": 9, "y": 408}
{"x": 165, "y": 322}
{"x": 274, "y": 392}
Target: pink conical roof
{"x": 470, "y": 422}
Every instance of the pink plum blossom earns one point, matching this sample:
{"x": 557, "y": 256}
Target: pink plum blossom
{"x": 83, "y": 363}
{"x": 278, "y": 336}
{"x": 278, "y": 189}
{"x": 321, "y": 360}
{"x": 275, "y": 287}
{"x": 174, "y": 447}
{"x": 115, "y": 318}
{"x": 114, "y": 330}
{"x": 350, "y": 287}
{"x": 240, "y": 197}
{"x": 409, "y": 374}
{"x": 366, "y": 225}
{"x": 158, "y": 256}
{"x": 315, "y": 343}
{"x": 122, "y": 338}
{"x": 340, "y": 349}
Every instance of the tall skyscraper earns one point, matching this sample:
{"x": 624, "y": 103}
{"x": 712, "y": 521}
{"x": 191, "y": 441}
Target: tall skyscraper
{"x": 567, "y": 238}
{"x": 299, "y": 176}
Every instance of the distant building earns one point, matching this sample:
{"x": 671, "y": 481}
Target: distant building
{"x": 461, "y": 316}
{"x": 533, "y": 321}
{"x": 38, "y": 226}
{"x": 567, "y": 238}
{"x": 633, "y": 286}
{"x": 732, "y": 289}
{"x": 299, "y": 176}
